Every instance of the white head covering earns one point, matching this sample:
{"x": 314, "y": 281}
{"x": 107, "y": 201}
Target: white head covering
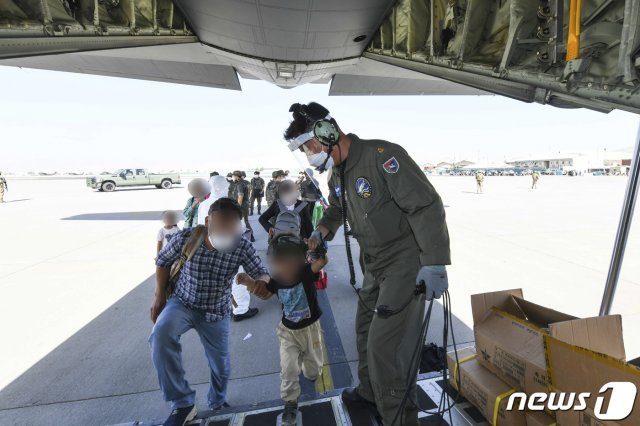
{"x": 219, "y": 188}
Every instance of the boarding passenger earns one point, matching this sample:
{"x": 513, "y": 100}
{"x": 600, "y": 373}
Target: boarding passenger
{"x": 168, "y": 230}
{"x": 198, "y": 188}
{"x": 299, "y": 332}
{"x": 288, "y": 200}
{"x": 201, "y": 300}
{"x": 212, "y": 176}
{"x": 398, "y": 219}
{"x": 242, "y": 309}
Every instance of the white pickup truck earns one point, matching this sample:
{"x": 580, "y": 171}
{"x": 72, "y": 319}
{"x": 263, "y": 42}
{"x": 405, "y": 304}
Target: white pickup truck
{"x": 132, "y": 177}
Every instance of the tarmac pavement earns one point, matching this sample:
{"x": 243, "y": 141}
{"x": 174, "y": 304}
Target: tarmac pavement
{"x": 76, "y": 274}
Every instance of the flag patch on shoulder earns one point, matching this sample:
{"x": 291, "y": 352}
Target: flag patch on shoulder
{"x": 391, "y": 165}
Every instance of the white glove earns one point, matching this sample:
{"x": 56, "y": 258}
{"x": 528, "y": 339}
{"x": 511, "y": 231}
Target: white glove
{"x": 435, "y": 279}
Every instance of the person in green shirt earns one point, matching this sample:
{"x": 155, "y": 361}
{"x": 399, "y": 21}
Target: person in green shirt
{"x": 198, "y": 188}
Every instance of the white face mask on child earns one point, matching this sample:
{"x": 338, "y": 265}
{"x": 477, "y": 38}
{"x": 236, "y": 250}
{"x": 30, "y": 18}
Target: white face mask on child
{"x": 289, "y": 199}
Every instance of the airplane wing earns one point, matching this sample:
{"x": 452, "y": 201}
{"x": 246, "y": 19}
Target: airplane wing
{"x": 565, "y": 53}
{"x": 370, "y": 77}
{"x": 188, "y": 63}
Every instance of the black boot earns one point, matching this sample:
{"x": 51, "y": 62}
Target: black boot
{"x": 351, "y": 396}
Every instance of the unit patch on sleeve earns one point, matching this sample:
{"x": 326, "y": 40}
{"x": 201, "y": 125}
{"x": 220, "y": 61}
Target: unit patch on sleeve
{"x": 391, "y": 165}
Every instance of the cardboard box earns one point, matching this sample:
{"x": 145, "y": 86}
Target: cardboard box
{"x": 539, "y": 418}
{"x": 576, "y": 369}
{"x": 509, "y": 333}
{"x": 483, "y": 389}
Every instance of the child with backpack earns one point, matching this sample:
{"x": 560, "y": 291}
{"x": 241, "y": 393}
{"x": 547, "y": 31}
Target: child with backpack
{"x": 291, "y": 214}
{"x": 299, "y": 332}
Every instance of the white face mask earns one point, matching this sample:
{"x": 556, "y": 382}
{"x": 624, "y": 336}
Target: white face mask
{"x": 317, "y": 160}
{"x": 289, "y": 199}
{"x": 225, "y": 243}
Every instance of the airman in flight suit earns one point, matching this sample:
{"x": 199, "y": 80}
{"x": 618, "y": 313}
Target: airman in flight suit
{"x": 398, "y": 219}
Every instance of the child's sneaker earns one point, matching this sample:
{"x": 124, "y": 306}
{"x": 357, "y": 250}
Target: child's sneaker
{"x": 290, "y": 413}
{"x": 180, "y": 416}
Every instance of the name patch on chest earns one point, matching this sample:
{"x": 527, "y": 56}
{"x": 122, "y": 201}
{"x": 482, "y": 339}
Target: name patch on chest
{"x": 338, "y": 191}
{"x": 364, "y": 188}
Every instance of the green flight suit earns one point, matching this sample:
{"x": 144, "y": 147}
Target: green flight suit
{"x": 399, "y": 222}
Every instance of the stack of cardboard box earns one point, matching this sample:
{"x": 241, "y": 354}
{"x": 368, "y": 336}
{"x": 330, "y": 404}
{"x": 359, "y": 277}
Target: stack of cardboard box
{"x": 525, "y": 347}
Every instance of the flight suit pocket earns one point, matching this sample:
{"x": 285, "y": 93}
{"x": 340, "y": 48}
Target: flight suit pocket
{"x": 385, "y": 224}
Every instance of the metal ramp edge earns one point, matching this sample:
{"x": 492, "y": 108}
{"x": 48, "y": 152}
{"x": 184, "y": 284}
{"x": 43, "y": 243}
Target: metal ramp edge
{"x": 329, "y": 410}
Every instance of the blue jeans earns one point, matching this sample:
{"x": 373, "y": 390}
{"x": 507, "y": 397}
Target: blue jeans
{"x": 166, "y": 353}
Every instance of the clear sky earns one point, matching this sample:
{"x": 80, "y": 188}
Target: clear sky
{"x": 54, "y": 121}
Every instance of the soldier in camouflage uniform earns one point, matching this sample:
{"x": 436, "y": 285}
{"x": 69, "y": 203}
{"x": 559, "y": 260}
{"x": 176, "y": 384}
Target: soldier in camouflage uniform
{"x": 232, "y": 184}
{"x": 257, "y": 191}
{"x": 479, "y": 182}
{"x": 241, "y": 195}
{"x": 272, "y": 186}
{"x": 535, "y": 177}
{"x": 3, "y": 187}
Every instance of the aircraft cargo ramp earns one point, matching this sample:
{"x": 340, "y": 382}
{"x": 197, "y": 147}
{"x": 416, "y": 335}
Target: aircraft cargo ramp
{"x": 329, "y": 410}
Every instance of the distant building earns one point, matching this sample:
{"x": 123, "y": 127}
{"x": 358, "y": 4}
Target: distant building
{"x": 581, "y": 163}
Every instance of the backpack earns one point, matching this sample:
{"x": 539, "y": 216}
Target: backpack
{"x": 288, "y": 221}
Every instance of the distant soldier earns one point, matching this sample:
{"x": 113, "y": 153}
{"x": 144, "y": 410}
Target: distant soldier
{"x": 241, "y": 195}
{"x": 232, "y": 184}
{"x": 535, "y": 177}
{"x": 479, "y": 182}
{"x": 272, "y": 186}
{"x": 257, "y": 191}
{"x": 3, "y": 187}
